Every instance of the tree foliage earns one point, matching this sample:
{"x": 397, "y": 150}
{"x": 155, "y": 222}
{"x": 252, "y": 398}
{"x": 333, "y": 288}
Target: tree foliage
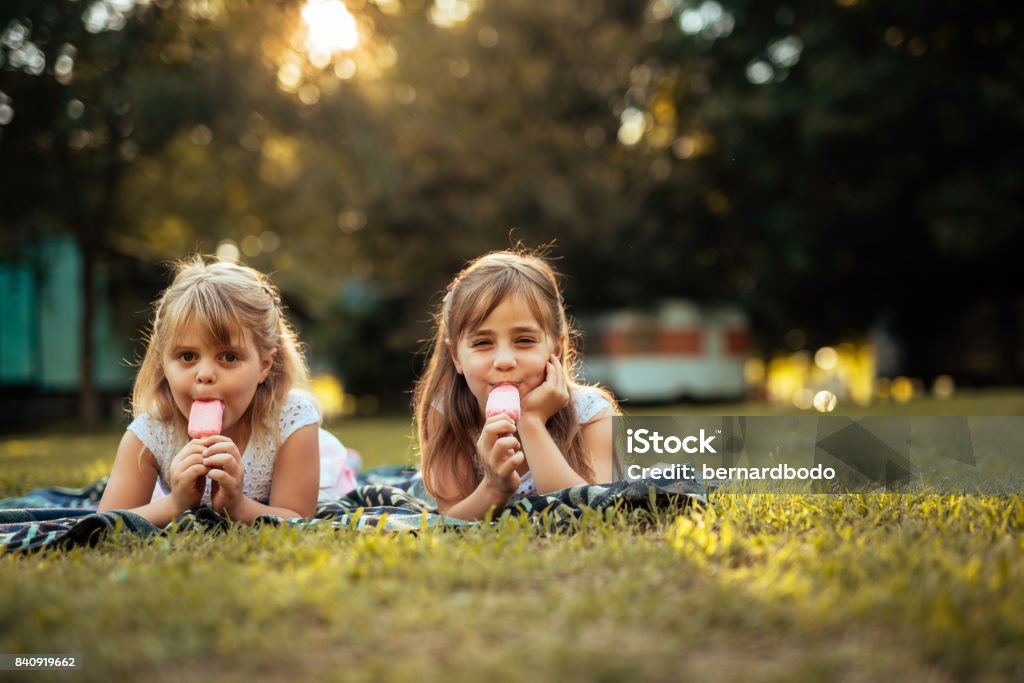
{"x": 823, "y": 165}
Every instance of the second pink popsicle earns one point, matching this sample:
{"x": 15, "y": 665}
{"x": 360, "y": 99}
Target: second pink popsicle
{"x": 503, "y": 398}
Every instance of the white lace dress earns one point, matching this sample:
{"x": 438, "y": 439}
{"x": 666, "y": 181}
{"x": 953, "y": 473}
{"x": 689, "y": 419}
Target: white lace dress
{"x": 336, "y": 475}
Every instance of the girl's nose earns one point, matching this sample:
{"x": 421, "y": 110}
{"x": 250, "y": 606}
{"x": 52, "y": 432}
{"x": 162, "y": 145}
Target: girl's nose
{"x": 504, "y": 359}
{"x": 205, "y": 375}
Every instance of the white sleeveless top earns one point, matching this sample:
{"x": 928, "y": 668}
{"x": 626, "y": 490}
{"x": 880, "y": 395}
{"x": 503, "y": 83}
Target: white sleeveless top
{"x": 259, "y": 456}
{"x": 588, "y": 403}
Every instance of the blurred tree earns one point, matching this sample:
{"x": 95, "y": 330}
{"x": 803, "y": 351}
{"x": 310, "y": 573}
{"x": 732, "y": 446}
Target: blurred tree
{"x": 821, "y": 164}
{"x": 859, "y": 153}
{"x": 499, "y": 130}
{"x": 158, "y": 129}
{"x": 69, "y": 73}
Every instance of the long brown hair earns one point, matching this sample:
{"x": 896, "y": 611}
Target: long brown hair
{"x": 221, "y": 297}
{"x": 447, "y": 415}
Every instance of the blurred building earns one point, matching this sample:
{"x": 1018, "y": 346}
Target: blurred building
{"x": 678, "y": 350}
{"x": 41, "y": 310}
{"x": 41, "y": 325}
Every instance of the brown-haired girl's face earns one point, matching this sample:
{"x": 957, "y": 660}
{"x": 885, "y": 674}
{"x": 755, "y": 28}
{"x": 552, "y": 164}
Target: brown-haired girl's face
{"x": 509, "y": 346}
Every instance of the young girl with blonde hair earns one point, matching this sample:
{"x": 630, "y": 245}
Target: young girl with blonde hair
{"x": 503, "y": 322}
{"x": 218, "y": 333}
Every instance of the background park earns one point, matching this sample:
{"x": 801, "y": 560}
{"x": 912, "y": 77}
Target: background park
{"x": 793, "y": 207}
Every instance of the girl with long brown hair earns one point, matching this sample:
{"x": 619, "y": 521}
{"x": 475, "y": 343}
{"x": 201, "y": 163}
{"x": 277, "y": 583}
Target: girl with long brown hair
{"x": 503, "y": 322}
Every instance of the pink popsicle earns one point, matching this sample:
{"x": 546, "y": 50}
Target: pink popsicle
{"x": 205, "y": 418}
{"x": 503, "y": 398}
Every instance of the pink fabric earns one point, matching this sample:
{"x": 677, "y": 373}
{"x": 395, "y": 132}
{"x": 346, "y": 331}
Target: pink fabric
{"x": 337, "y": 467}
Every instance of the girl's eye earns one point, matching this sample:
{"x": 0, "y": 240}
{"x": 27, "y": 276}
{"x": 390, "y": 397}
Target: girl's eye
{"x": 230, "y": 357}
{"x": 187, "y": 356}
{"x": 526, "y": 340}
{"x": 480, "y": 342}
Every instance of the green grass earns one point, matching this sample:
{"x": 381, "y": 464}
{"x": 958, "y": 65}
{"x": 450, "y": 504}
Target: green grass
{"x": 757, "y": 588}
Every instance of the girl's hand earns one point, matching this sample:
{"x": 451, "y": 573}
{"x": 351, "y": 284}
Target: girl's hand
{"x": 551, "y": 396}
{"x": 501, "y": 454}
{"x": 188, "y": 475}
{"x": 226, "y": 471}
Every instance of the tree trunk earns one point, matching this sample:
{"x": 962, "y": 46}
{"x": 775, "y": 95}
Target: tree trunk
{"x": 88, "y": 396}
{"x": 96, "y": 225}
{"x": 83, "y": 226}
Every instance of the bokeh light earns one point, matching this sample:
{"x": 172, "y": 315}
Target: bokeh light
{"x": 760, "y": 72}
{"x": 270, "y": 241}
{"x": 345, "y": 68}
{"x": 685, "y": 146}
{"x": 893, "y": 36}
{"x": 754, "y": 371}
{"x": 902, "y": 389}
{"x": 826, "y": 358}
{"x": 107, "y": 15}
{"x": 22, "y": 53}
{"x": 328, "y": 391}
{"x": 75, "y": 109}
{"x": 330, "y": 28}
{"x": 634, "y": 125}
{"x": 351, "y": 220}
{"x": 824, "y": 401}
{"x": 251, "y": 245}
{"x": 944, "y": 387}
{"x": 6, "y": 110}
{"x": 289, "y": 75}
{"x": 803, "y": 399}
{"x": 487, "y": 36}
{"x": 227, "y": 250}
{"x": 63, "y": 68}
{"x": 785, "y": 52}
{"x": 451, "y": 13}
{"x": 845, "y": 371}
{"x": 404, "y": 94}
{"x": 309, "y": 94}
{"x": 708, "y": 21}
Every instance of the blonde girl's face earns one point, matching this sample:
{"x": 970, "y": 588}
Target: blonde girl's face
{"x": 509, "y": 346}
{"x": 198, "y": 369}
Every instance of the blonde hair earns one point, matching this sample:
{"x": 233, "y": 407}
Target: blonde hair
{"x": 221, "y": 298}
{"x": 447, "y": 415}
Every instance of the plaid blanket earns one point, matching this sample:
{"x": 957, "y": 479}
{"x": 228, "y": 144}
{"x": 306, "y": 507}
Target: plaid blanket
{"x": 391, "y": 498}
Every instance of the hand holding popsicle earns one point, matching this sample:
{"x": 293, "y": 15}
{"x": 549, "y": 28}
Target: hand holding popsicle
{"x": 498, "y": 447}
{"x": 227, "y": 473}
{"x": 188, "y": 476}
{"x": 500, "y": 454}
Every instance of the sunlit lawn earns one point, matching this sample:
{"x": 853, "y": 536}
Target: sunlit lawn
{"x": 850, "y": 588}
